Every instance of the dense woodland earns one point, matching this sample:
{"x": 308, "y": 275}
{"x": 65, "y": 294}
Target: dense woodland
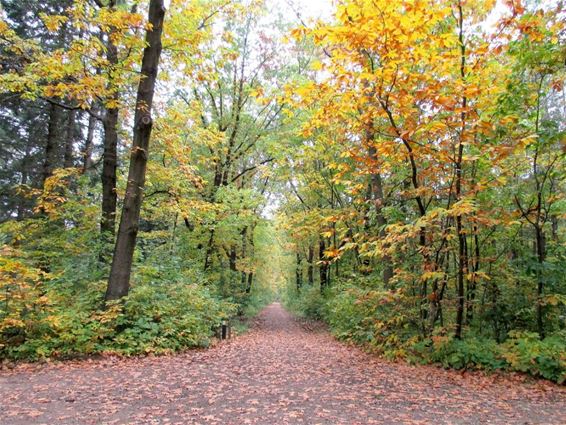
{"x": 397, "y": 170}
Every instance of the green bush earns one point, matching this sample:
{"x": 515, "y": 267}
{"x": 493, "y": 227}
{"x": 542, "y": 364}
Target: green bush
{"x": 165, "y": 317}
{"x": 348, "y": 318}
{"x": 153, "y": 318}
{"x": 309, "y": 303}
{"x": 522, "y": 352}
{"x": 255, "y": 302}
{"x": 472, "y": 353}
{"x": 367, "y": 315}
{"x": 525, "y": 352}
{"x": 378, "y": 319}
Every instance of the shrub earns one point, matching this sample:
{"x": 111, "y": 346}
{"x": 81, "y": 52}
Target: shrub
{"x": 379, "y": 319}
{"x": 370, "y": 316}
{"x": 522, "y": 352}
{"x": 525, "y": 352}
{"x": 168, "y": 317}
{"x": 474, "y": 353}
{"x": 310, "y": 303}
{"x": 155, "y": 318}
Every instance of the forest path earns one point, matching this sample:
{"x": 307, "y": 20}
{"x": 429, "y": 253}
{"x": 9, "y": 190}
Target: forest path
{"x": 278, "y": 373}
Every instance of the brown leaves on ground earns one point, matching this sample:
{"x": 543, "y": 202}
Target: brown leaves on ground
{"x": 279, "y": 373}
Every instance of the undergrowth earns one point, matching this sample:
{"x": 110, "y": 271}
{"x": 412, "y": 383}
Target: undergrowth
{"x": 381, "y": 320}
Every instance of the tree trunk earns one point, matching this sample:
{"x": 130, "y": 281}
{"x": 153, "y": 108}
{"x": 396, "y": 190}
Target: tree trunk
{"x": 462, "y": 260}
{"x": 89, "y": 142}
{"x": 462, "y": 241}
{"x": 50, "y": 156}
{"x": 554, "y": 227}
{"x": 541, "y": 254}
{"x": 379, "y": 201}
{"x": 472, "y": 284}
{"x": 68, "y": 160}
{"x": 119, "y": 281}
{"x": 310, "y": 269}
{"x": 233, "y": 258}
{"x": 208, "y": 253}
{"x": 110, "y": 155}
{"x": 244, "y": 234}
{"x": 323, "y": 269}
{"x": 23, "y": 200}
{"x": 108, "y": 177}
{"x": 299, "y": 273}
{"x": 250, "y": 281}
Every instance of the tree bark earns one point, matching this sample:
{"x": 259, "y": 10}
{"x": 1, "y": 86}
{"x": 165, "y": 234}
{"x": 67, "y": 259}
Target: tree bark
{"x": 462, "y": 241}
{"x": 69, "y": 160}
{"x": 379, "y": 201}
{"x": 299, "y": 273}
{"x": 110, "y": 155}
{"x": 244, "y": 235}
{"x": 310, "y": 269}
{"x": 323, "y": 268}
{"x": 250, "y": 282}
{"x": 119, "y": 281}
{"x": 109, "y": 167}
{"x": 208, "y": 252}
{"x": 541, "y": 255}
{"x": 472, "y": 284}
{"x": 50, "y": 155}
{"x": 89, "y": 143}
{"x": 22, "y": 200}
{"x": 233, "y": 258}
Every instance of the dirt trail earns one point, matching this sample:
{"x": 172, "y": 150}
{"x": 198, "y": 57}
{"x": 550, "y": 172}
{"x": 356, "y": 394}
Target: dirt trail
{"x": 278, "y": 373}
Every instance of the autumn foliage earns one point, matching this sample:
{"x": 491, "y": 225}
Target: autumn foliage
{"x": 437, "y": 179}
{"x": 396, "y": 170}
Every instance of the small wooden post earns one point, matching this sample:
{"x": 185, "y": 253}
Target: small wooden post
{"x": 224, "y": 330}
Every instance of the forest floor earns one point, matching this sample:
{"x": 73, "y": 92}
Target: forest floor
{"x": 280, "y": 372}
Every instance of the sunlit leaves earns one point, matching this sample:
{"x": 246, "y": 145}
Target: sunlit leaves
{"x": 78, "y": 72}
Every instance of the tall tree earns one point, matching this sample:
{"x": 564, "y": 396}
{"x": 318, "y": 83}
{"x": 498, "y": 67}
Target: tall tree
{"x": 119, "y": 281}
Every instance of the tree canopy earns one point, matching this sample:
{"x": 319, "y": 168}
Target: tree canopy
{"x": 396, "y": 170}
